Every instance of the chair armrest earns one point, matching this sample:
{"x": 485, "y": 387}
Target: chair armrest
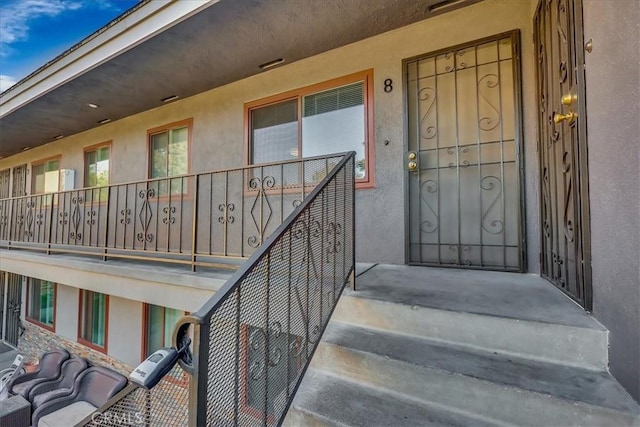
{"x": 50, "y": 407}
{"x": 44, "y": 387}
{"x": 22, "y": 378}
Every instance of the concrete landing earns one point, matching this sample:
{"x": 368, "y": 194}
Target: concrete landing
{"x": 511, "y": 295}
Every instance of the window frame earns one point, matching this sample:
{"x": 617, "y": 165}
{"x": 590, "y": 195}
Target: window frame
{"x": 145, "y": 326}
{"x": 188, "y": 123}
{"x": 103, "y": 195}
{"x": 44, "y": 162}
{"x": 366, "y": 77}
{"x": 33, "y": 320}
{"x": 94, "y": 148}
{"x": 85, "y": 342}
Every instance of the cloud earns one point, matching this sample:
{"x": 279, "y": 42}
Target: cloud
{"x": 6, "y": 82}
{"x": 16, "y": 17}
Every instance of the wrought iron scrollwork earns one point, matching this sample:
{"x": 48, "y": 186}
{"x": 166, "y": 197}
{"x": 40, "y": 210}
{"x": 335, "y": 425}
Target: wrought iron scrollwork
{"x": 126, "y": 213}
{"x": 76, "y": 218}
{"x": 28, "y": 231}
{"x": 429, "y": 225}
{"x": 170, "y": 217}
{"x": 226, "y": 218}
{"x": 334, "y": 230}
{"x": 428, "y": 124}
{"x": 258, "y": 342}
{"x": 567, "y": 221}
{"x": 145, "y": 215}
{"x": 492, "y": 118}
{"x": 260, "y": 208}
{"x": 493, "y": 226}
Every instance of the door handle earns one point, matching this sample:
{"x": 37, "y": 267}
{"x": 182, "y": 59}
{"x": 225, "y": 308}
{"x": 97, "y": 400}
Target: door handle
{"x": 559, "y": 118}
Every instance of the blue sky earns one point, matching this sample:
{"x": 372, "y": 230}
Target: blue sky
{"x": 32, "y": 32}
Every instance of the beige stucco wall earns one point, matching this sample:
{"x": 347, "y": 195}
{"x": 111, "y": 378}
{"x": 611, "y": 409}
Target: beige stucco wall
{"x": 218, "y": 118}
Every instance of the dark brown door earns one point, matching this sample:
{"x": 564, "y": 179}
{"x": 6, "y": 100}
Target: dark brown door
{"x": 562, "y": 148}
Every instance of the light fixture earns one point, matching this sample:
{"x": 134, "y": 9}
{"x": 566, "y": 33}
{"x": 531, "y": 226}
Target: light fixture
{"x": 170, "y": 98}
{"x": 271, "y": 64}
{"x": 58, "y": 137}
{"x": 444, "y": 4}
{"x": 92, "y": 105}
{"x": 25, "y": 148}
{"x": 103, "y": 121}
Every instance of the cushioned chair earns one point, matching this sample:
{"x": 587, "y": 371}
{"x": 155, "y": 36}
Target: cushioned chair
{"x": 92, "y": 389}
{"x": 62, "y": 386}
{"x": 48, "y": 369}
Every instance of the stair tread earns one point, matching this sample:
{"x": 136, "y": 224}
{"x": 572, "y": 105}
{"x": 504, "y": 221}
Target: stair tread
{"x": 596, "y": 388}
{"x": 509, "y": 295}
{"x": 347, "y": 403}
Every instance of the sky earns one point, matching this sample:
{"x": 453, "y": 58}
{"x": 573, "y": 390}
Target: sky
{"x": 33, "y": 32}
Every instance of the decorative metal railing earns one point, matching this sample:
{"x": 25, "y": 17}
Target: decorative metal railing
{"x": 254, "y": 339}
{"x": 191, "y": 219}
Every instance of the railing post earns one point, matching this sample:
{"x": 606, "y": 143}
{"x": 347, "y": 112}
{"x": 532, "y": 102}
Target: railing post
{"x": 106, "y": 221}
{"x": 198, "y": 386}
{"x": 194, "y": 225}
{"x": 352, "y": 162}
{"x": 50, "y": 224}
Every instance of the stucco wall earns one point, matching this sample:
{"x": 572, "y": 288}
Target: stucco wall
{"x": 613, "y": 90}
{"x": 218, "y": 119}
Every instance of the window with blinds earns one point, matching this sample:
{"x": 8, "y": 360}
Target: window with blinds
{"x": 312, "y": 122}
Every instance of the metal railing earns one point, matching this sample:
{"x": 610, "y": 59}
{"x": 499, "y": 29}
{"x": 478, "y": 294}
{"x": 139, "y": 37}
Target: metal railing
{"x": 195, "y": 219}
{"x": 254, "y": 339}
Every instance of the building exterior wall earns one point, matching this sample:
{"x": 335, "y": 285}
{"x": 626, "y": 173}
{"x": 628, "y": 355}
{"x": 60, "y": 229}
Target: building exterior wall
{"x": 218, "y": 119}
{"x": 613, "y": 90}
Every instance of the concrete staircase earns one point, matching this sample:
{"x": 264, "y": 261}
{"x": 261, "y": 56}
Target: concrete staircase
{"x": 422, "y": 346}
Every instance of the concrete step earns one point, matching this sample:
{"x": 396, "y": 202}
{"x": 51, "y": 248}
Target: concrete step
{"x": 491, "y": 385}
{"x": 517, "y": 314}
{"x": 325, "y": 400}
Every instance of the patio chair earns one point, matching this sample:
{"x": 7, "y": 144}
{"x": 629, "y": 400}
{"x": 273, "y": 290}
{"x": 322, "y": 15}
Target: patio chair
{"x": 92, "y": 389}
{"x": 62, "y": 386}
{"x": 48, "y": 369}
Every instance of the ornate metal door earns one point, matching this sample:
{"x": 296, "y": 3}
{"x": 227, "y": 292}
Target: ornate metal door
{"x": 13, "y": 325}
{"x": 562, "y": 148}
{"x": 464, "y": 165}
{"x": 19, "y": 187}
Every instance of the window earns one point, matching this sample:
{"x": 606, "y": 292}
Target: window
{"x": 159, "y": 324}
{"x": 286, "y": 352}
{"x": 331, "y": 117}
{"x": 169, "y": 154}
{"x": 93, "y": 319}
{"x": 96, "y": 170}
{"x": 45, "y": 176}
{"x": 41, "y": 302}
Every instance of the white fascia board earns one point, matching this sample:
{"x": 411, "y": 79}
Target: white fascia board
{"x": 144, "y": 23}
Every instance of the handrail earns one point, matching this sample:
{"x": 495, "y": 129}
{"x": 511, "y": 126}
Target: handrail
{"x": 258, "y": 318}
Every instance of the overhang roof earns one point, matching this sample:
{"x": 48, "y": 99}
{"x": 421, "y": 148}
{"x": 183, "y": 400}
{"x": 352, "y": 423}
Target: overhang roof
{"x": 161, "y": 49}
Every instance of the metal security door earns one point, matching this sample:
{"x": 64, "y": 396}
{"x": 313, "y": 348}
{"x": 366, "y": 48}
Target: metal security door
{"x": 19, "y": 187}
{"x": 13, "y": 324}
{"x": 463, "y": 161}
{"x": 562, "y": 148}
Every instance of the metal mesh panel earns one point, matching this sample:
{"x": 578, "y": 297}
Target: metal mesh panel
{"x": 165, "y": 405}
{"x": 259, "y": 338}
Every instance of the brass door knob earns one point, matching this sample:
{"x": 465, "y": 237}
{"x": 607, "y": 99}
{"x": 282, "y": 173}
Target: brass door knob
{"x": 559, "y": 118}
{"x": 412, "y": 156}
{"x": 412, "y": 166}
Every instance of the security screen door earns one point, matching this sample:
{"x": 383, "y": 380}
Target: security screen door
{"x": 463, "y": 160}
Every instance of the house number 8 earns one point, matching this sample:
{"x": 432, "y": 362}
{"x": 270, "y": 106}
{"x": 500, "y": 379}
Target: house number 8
{"x": 388, "y": 85}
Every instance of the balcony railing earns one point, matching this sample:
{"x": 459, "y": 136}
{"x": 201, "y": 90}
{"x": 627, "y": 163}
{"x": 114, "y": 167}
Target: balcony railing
{"x": 198, "y": 220}
{"x": 254, "y": 339}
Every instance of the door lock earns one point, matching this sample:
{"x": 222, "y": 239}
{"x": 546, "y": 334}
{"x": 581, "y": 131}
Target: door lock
{"x": 559, "y": 118}
{"x": 412, "y": 164}
{"x": 568, "y": 99}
